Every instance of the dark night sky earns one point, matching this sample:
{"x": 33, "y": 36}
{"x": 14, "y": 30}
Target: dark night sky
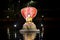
{"x": 49, "y": 8}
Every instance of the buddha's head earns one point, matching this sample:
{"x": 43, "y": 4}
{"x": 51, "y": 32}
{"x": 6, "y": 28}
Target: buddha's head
{"x": 29, "y": 19}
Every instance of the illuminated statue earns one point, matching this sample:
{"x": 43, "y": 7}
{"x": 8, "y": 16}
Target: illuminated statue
{"x": 29, "y": 27}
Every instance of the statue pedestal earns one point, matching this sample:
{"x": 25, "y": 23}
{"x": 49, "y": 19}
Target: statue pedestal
{"x": 29, "y": 34}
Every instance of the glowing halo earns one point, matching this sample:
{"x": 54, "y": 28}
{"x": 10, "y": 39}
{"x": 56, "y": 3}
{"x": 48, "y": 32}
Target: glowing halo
{"x": 32, "y": 11}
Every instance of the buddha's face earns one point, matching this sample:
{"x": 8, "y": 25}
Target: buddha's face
{"x": 28, "y": 19}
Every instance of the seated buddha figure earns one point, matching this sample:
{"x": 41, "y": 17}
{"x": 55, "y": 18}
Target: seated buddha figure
{"x": 29, "y": 25}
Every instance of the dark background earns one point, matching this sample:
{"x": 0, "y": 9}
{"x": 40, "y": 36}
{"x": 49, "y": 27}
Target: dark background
{"x": 49, "y": 8}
